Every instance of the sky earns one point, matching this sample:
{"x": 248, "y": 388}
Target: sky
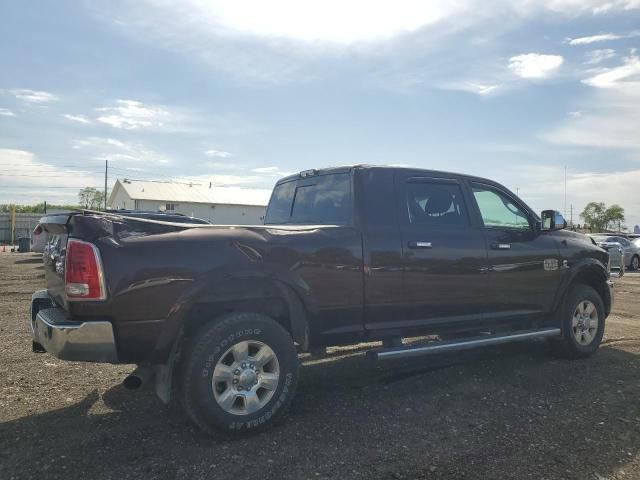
{"x": 243, "y": 92}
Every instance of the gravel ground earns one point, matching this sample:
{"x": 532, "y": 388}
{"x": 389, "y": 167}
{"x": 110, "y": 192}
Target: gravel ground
{"x": 500, "y": 413}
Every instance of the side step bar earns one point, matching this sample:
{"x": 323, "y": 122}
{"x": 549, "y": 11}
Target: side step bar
{"x": 463, "y": 344}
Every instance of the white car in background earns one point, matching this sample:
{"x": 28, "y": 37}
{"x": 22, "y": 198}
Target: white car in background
{"x": 39, "y": 238}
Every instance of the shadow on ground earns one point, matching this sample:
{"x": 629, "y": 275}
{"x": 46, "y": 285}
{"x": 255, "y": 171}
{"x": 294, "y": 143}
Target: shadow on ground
{"x": 509, "y": 412}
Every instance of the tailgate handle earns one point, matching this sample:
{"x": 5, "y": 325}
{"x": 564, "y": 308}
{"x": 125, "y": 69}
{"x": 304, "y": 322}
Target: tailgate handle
{"x": 501, "y": 246}
{"x": 422, "y": 245}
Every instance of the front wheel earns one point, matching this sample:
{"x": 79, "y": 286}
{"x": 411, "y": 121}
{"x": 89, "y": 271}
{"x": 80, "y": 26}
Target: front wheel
{"x": 582, "y": 323}
{"x": 635, "y": 263}
{"x": 240, "y": 373}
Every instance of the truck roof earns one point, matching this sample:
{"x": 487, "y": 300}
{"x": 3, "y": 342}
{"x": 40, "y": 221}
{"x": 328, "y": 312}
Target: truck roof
{"x": 349, "y": 168}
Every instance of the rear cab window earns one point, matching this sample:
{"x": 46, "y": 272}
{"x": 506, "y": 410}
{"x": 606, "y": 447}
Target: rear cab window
{"x": 317, "y": 200}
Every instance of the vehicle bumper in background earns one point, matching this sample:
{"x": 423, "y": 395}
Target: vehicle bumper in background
{"x": 69, "y": 340}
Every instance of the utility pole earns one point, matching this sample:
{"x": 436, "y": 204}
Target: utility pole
{"x": 571, "y": 221}
{"x": 106, "y": 169}
{"x": 565, "y": 191}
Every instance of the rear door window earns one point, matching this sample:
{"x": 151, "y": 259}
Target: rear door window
{"x": 438, "y": 205}
{"x": 321, "y": 200}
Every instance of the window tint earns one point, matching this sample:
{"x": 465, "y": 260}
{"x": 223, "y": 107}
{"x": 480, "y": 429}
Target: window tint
{"x": 322, "y": 200}
{"x": 498, "y": 211}
{"x": 436, "y": 204}
{"x": 279, "y": 210}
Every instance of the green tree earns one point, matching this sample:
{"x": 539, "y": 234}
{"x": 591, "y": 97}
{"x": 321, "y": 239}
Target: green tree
{"x": 91, "y": 198}
{"x": 600, "y": 218}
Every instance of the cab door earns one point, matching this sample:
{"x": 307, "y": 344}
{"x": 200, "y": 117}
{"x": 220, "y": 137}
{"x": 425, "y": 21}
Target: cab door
{"x": 444, "y": 256}
{"x": 524, "y": 264}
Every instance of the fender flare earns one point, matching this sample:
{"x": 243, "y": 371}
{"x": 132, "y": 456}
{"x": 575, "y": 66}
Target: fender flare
{"x": 585, "y": 267}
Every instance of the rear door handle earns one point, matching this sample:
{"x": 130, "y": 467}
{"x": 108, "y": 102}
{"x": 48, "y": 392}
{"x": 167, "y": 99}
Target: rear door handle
{"x": 420, "y": 245}
{"x": 501, "y": 246}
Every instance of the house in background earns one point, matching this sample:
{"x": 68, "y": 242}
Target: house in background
{"x": 219, "y": 205}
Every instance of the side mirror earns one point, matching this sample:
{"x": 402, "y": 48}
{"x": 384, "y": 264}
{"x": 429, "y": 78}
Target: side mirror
{"x": 552, "y": 220}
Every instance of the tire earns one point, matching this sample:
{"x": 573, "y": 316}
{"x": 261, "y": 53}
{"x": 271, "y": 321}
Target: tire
{"x": 230, "y": 382}
{"x": 580, "y": 338}
{"x": 635, "y": 263}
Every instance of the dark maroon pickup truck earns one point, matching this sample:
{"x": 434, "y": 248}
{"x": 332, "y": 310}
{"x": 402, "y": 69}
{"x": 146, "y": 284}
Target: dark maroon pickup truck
{"x": 215, "y": 315}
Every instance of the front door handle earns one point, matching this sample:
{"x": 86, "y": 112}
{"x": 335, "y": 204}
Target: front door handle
{"x": 420, "y": 245}
{"x": 501, "y": 246}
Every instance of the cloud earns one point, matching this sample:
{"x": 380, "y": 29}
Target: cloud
{"x": 5, "y": 112}
{"x": 598, "y": 56}
{"x": 339, "y": 22}
{"x": 77, "y": 118}
{"x": 481, "y": 89}
{"x": 217, "y": 153}
{"x": 626, "y": 74}
{"x": 102, "y": 148}
{"x": 270, "y": 171}
{"x": 609, "y": 119}
{"x": 132, "y": 115}
{"x": 31, "y": 180}
{"x": 603, "y": 37}
{"x": 286, "y": 41}
{"x": 34, "y": 96}
{"x": 535, "y": 65}
{"x": 540, "y": 188}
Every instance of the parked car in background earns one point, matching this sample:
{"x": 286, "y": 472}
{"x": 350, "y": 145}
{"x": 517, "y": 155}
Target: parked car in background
{"x": 39, "y": 239}
{"x": 630, "y": 250}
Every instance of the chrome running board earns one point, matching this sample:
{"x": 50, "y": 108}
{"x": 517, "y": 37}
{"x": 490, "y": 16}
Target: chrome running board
{"x": 462, "y": 344}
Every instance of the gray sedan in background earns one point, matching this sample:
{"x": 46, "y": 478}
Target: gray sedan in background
{"x": 630, "y": 249}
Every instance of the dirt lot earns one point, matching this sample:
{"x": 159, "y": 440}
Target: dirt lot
{"x": 513, "y": 412}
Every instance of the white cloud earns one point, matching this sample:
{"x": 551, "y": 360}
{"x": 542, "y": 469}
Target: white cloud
{"x": 609, "y": 119}
{"x": 594, "y": 38}
{"x": 36, "y": 177}
{"x": 595, "y": 57}
{"x": 482, "y": 89}
{"x": 217, "y": 153}
{"x": 270, "y": 171}
{"x": 265, "y": 169}
{"x": 131, "y": 115}
{"x": 540, "y": 188}
{"x": 626, "y": 74}
{"x": 603, "y": 37}
{"x": 34, "y": 96}
{"x": 102, "y": 148}
{"x": 339, "y": 22}
{"x": 535, "y": 65}
{"x": 77, "y": 118}
{"x": 5, "y": 112}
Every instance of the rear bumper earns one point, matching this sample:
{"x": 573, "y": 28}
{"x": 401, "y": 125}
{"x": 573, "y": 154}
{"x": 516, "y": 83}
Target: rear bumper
{"x": 69, "y": 340}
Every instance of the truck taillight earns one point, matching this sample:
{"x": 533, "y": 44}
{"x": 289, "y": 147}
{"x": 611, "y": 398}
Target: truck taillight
{"x": 83, "y": 276}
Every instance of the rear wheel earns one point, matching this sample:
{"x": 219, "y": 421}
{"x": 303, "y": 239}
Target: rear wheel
{"x": 239, "y": 373}
{"x": 635, "y": 263}
{"x": 582, "y": 323}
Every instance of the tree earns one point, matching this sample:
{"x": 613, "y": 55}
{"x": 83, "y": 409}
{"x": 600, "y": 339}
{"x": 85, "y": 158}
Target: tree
{"x": 600, "y": 218}
{"x": 91, "y": 198}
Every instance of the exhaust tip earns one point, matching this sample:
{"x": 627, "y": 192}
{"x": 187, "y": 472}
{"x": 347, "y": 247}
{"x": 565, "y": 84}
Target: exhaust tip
{"x": 138, "y": 378}
{"x": 132, "y": 382}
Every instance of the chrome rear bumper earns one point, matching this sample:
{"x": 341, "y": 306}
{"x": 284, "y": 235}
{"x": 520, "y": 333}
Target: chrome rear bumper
{"x": 75, "y": 341}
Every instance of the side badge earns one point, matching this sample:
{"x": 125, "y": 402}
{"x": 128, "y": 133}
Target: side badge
{"x": 551, "y": 264}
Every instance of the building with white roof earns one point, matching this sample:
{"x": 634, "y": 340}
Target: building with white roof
{"x": 218, "y": 205}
